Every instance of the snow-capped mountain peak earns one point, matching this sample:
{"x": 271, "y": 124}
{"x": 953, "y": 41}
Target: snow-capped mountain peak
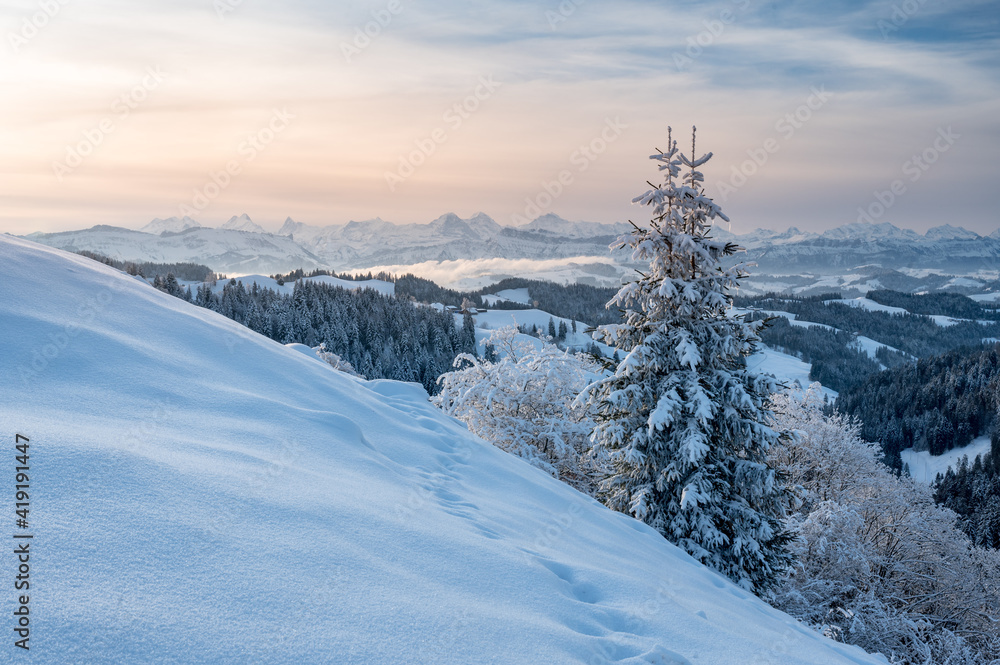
{"x": 242, "y": 223}
{"x": 291, "y": 227}
{"x": 479, "y": 226}
{"x": 556, "y": 225}
{"x": 870, "y": 232}
{"x": 170, "y": 225}
{"x": 949, "y": 232}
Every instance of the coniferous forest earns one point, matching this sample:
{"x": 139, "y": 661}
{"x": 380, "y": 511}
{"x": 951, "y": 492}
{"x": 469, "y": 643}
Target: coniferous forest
{"x": 973, "y": 491}
{"x": 382, "y": 337}
{"x": 934, "y": 404}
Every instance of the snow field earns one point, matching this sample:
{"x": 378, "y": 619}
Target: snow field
{"x": 784, "y": 367}
{"x": 498, "y": 318}
{"x": 924, "y": 467}
{"x": 509, "y": 295}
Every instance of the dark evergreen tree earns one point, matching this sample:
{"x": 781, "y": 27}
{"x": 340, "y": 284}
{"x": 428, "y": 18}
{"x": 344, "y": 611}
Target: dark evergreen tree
{"x": 468, "y": 331}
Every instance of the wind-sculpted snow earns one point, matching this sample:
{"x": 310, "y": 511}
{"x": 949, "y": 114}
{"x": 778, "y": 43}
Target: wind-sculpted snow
{"x": 206, "y": 495}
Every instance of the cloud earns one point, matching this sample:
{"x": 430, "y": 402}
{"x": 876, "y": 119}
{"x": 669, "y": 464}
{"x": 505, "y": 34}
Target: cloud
{"x": 565, "y": 68}
{"x": 474, "y": 273}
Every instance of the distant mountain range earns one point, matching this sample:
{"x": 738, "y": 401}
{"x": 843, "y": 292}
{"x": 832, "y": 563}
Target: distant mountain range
{"x": 947, "y": 248}
{"x": 242, "y": 246}
{"x": 223, "y": 250}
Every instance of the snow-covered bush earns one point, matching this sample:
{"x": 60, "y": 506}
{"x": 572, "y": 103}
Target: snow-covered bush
{"x": 523, "y": 402}
{"x": 335, "y": 361}
{"x": 879, "y": 564}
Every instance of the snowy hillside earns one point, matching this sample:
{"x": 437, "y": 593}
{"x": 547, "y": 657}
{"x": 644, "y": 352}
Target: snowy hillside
{"x": 786, "y": 368}
{"x": 207, "y": 495}
{"x": 924, "y": 467}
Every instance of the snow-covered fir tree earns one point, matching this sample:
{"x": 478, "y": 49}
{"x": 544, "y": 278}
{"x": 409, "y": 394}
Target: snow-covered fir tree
{"x": 683, "y": 423}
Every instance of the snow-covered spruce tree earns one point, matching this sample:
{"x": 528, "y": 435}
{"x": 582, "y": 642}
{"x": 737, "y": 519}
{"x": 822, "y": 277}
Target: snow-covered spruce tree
{"x": 683, "y": 423}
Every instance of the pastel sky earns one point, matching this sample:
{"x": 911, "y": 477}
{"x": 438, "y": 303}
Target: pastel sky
{"x": 115, "y": 112}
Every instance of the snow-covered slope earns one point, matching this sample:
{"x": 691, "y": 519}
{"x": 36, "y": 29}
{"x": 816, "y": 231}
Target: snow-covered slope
{"x": 203, "y": 494}
{"x": 519, "y": 296}
{"x": 786, "y": 368}
{"x": 872, "y": 306}
{"x": 924, "y": 467}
